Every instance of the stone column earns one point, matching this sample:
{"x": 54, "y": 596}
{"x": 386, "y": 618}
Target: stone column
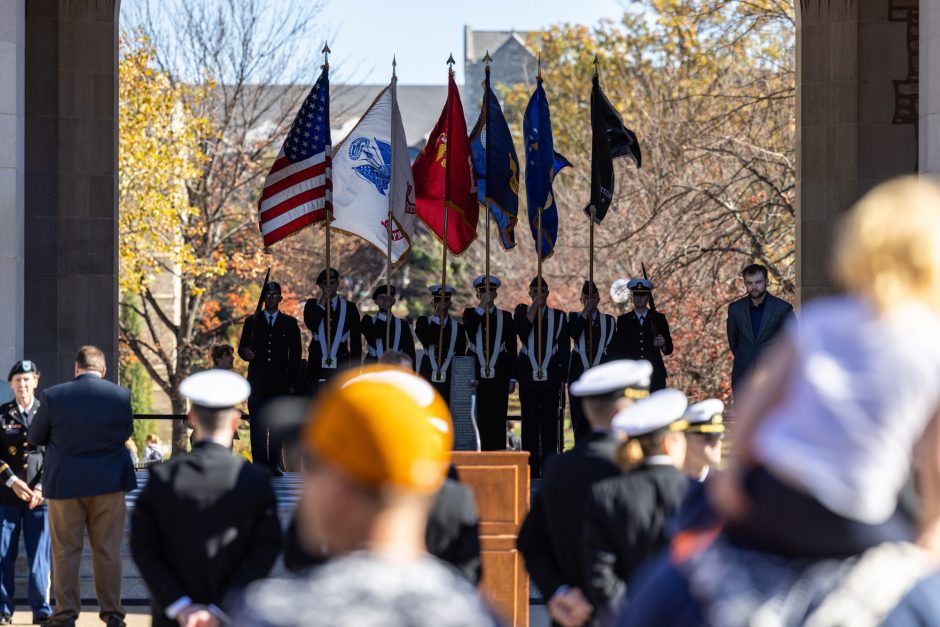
{"x": 929, "y": 159}
{"x": 856, "y": 115}
{"x": 71, "y": 182}
{"x": 12, "y": 68}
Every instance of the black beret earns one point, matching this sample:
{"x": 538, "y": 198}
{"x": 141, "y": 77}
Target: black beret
{"x": 589, "y": 287}
{"x": 24, "y": 366}
{"x": 534, "y": 282}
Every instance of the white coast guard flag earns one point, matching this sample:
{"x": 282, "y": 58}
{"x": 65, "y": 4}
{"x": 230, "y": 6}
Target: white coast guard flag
{"x": 372, "y": 178}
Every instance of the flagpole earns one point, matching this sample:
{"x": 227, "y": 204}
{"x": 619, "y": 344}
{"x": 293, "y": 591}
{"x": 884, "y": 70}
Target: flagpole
{"x": 388, "y": 250}
{"x": 486, "y": 275}
{"x": 590, "y": 323}
{"x": 328, "y": 205}
{"x": 450, "y": 73}
{"x": 590, "y": 286}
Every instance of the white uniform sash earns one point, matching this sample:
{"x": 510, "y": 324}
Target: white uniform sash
{"x": 439, "y": 373}
{"x": 540, "y": 371}
{"x": 379, "y": 349}
{"x": 328, "y": 358}
{"x": 488, "y": 370}
{"x": 606, "y": 336}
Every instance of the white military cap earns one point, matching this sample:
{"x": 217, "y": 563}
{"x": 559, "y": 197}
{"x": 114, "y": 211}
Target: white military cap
{"x": 633, "y": 377}
{"x": 215, "y": 389}
{"x": 640, "y": 285}
{"x": 662, "y": 409}
{"x": 494, "y": 281}
{"x": 705, "y": 416}
{"x": 436, "y": 290}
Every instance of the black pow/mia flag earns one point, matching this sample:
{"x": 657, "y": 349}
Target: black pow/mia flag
{"x": 609, "y": 139}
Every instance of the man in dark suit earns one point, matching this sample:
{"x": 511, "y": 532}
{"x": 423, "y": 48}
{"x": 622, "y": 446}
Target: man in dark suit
{"x": 543, "y": 332}
{"x": 435, "y": 364}
{"x": 754, "y": 321}
{"x": 84, "y": 425}
{"x": 21, "y": 502}
{"x": 495, "y": 365}
{"x": 643, "y": 333}
{"x": 334, "y": 347}
{"x": 549, "y": 538}
{"x": 270, "y": 343}
{"x": 379, "y": 338}
{"x": 589, "y": 350}
{"x": 205, "y": 525}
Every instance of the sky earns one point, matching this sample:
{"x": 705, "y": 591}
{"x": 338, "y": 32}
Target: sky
{"x": 422, "y": 33}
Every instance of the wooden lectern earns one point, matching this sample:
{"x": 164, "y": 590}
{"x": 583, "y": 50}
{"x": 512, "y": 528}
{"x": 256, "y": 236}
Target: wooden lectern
{"x": 500, "y": 483}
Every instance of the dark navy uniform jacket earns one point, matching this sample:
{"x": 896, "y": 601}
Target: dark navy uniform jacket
{"x": 17, "y": 457}
{"x": 275, "y": 370}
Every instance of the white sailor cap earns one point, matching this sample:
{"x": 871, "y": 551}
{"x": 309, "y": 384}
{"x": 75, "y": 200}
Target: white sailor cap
{"x": 633, "y": 377}
{"x": 480, "y": 280}
{"x": 705, "y": 417}
{"x": 660, "y": 410}
{"x": 640, "y": 285}
{"x": 215, "y": 389}
{"x": 436, "y": 290}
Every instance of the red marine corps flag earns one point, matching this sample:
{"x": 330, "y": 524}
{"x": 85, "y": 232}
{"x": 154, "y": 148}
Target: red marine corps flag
{"x": 445, "y": 186}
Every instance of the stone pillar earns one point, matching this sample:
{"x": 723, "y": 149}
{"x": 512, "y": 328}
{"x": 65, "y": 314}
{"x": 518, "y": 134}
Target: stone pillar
{"x": 12, "y": 119}
{"x": 856, "y": 115}
{"x": 929, "y": 159}
{"x": 71, "y": 182}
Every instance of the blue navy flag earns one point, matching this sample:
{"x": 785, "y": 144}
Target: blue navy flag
{"x": 542, "y": 164}
{"x": 496, "y": 164}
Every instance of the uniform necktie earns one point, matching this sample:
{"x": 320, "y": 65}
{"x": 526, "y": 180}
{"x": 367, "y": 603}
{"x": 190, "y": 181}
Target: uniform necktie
{"x": 642, "y": 319}
{"x": 271, "y": 320}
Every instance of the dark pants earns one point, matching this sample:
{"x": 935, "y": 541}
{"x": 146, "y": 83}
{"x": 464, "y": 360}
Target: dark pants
{"x": 788, "y": 522}
{"x": 492, "y": 405}
{"x": 541, "y": 421}
{"x": 265, "y": 444}
{"x": 34, "y": 523}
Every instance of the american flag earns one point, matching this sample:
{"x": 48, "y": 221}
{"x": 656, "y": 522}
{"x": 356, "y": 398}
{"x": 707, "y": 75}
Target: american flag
{"x": 297, "y": 190}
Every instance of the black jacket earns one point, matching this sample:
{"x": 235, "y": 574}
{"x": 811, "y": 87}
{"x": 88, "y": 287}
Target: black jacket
{"x": 631, "y": 341}
{"x": 558, "y": 365}
{"x": 603, "y": 327}
{"x": 17, "y": 457}
{"x": 625, "y": 522}
{"x": 374, "y": 330}
{"x": 549, "y": 538}
{"x": 428, "y": 332}
{"x": 204, "y": 526}
{"x": 505, "y": 345}
{"x": 84, "y": 425}
{"x": 275, "y": 370}
{"x": 349, "y": 350}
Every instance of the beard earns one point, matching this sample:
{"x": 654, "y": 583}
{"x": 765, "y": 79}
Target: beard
{"x": 756, "y": 294}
